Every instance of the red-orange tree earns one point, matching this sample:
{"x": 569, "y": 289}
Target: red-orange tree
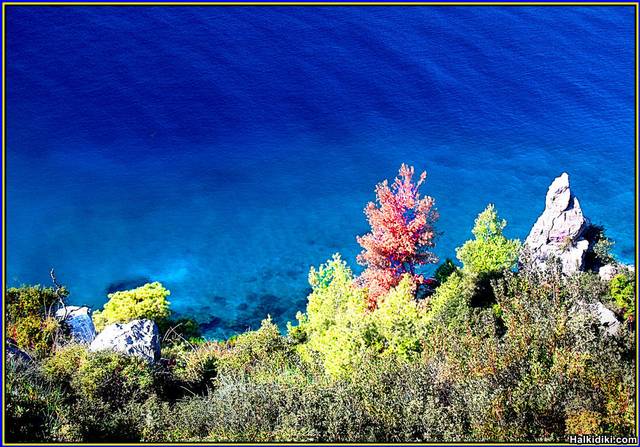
{"x": 401, "y": 235}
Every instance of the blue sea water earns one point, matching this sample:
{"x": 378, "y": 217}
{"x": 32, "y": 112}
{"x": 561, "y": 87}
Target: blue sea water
{"x": 225, "y": 150}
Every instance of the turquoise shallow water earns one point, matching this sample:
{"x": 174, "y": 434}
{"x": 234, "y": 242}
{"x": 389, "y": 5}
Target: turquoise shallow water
{"x": 225, "y": 151}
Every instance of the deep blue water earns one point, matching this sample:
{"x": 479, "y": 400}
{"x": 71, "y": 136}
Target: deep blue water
{"x": 223, "y": 151}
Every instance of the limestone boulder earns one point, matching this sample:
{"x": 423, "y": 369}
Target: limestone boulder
{"x": 607, "y": 318}
{"x": 608, "y": 271}
{"x": 138, "y": 338}
{"x": 78, "y": 319}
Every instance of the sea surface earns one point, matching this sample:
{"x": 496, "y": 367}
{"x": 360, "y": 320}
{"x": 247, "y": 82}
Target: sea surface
{"x": 225, "y": 150}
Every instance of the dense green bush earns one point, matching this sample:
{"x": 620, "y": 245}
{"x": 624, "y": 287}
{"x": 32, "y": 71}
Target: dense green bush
{"x": 197, "y": 366}
{"x": 600, "y": 253}
{"x": 30, "y": 317}
{"x": 335, "y": 319}
{"x": 450, "y": 304}
{"x": 555, "y": 361}
{"x": 103, "y": 394}
{"x": 113, "y": 378}
{"x": 622, "y": 288}
{"x": 340, "y": 331}
{"x": 490, "y": 251}
{"x": 390, "y": 401}
{"x": 264, "y": 355}
{"x": 148, "y": 301}
{"x": 444, "y": 270}
{"x": 63, "y": 366}
{"x": 32, "y": 404}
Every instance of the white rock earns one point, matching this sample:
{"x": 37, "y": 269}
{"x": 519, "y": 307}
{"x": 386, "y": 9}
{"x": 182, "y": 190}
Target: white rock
{"x": 559, "y": 229}
{"x": 79, "y": 321}
{"x": 573, "y": 257}
{"x": 138, "y": 337}
{"x": 559, "y": 194}
{"x": 608, "y": 271}
{"x": 607, "y": 318}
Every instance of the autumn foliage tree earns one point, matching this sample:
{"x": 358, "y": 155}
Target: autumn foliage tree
{"x": 401, "y": 236}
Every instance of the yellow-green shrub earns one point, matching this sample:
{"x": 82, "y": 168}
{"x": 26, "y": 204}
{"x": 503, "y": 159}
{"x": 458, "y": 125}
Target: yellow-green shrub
{"x": 399, "y": 322}
{"x": 622, "y": 288}
{"x": 30, "y": 320}
{"x": 490, "y": 251}
{"x": 148, "y": 301}
{"x": 62, "y": 366}
{"x": 264, "y": 355}
{"x": 340, "y": 331}
{"x": 113, "y": 378}
{"x": 449, "y": 305}
{"x": 335, "y": 322}
{"x": 197, "y": 365}
{"x": 583, "y": 422}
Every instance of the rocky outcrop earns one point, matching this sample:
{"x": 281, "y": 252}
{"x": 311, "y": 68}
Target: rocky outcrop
{"x": 603, "y": 316}
{"x": 607, "y": 318}
{"x": 138, "y": 337}
{"x": 560, "y": 230}
{"x": 608, "y": 271}
{"x": 79, "y": 321}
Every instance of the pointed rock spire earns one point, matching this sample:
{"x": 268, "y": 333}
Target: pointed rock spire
{"x": 560, "y": 228}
